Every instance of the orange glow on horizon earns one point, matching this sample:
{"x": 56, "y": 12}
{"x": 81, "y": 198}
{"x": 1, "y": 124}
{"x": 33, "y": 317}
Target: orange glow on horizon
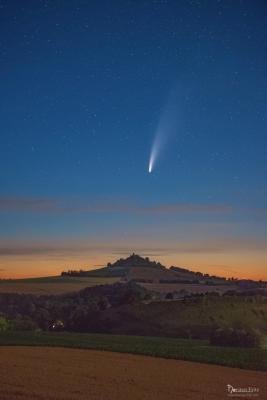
{"x": 247, "y": 266}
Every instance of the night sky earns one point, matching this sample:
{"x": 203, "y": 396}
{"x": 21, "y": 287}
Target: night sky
{"x": 86, "y": 88}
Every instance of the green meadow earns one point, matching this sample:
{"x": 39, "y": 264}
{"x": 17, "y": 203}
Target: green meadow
{"x": 180, "y": 349}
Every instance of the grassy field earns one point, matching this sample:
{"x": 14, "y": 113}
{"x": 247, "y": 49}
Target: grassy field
{"x": 181, "y": 349}
{"x": 51, "y": 284}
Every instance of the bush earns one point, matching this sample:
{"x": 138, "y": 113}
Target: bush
{"x": 23, "y": 324}
{"x": 169, "y": 296}
{"x": 4, "y": 325}
{"x": 235, "y": 337}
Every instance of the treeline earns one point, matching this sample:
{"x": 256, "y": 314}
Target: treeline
{"x": 101, "y": 272}
{"x": 127, "y": 308}
{"x": 74, "y": 311}
{"x": 135, "y": 260}
{"x": 235, "y": 337}
{"x": 73, "y": 272}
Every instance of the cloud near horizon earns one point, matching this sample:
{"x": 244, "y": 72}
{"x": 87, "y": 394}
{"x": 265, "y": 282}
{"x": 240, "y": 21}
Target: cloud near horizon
{"x": 59, "y": 248}
{"x": 57, "y": 206}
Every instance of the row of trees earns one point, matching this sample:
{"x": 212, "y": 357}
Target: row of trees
{"x": 76, "y": 311}
{"x": 122, "y": 308}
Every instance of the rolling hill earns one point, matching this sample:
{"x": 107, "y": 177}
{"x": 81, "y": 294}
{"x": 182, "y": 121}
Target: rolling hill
{"x": 142, "y": 269}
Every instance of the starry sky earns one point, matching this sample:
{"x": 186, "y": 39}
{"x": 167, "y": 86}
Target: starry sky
{"x": 85, "y": 86}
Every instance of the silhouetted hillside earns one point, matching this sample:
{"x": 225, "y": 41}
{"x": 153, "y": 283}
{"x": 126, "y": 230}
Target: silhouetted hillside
{"x": 143, "y": 270}
{"x": 134, "y": 268}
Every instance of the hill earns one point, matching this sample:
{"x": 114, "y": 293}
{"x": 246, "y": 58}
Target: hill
{"x": 144, "y": 270}
{"x": 150, "y": 274}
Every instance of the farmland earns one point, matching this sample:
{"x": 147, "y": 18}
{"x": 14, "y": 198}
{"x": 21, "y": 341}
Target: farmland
{"x": 67, "y": 374}
{"x": 51, "y": 285}
{"x": 188, "y": 287}
{"x": 60, "y": 285}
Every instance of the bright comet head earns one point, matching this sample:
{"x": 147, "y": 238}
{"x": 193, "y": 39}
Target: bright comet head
{"x": 153, "y": 154}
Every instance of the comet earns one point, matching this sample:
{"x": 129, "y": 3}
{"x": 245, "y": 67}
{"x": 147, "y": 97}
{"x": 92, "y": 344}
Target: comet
{"x": 167, "y": 126}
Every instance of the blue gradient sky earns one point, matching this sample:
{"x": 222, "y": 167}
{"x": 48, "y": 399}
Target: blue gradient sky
{"x": 84, "y": 87}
